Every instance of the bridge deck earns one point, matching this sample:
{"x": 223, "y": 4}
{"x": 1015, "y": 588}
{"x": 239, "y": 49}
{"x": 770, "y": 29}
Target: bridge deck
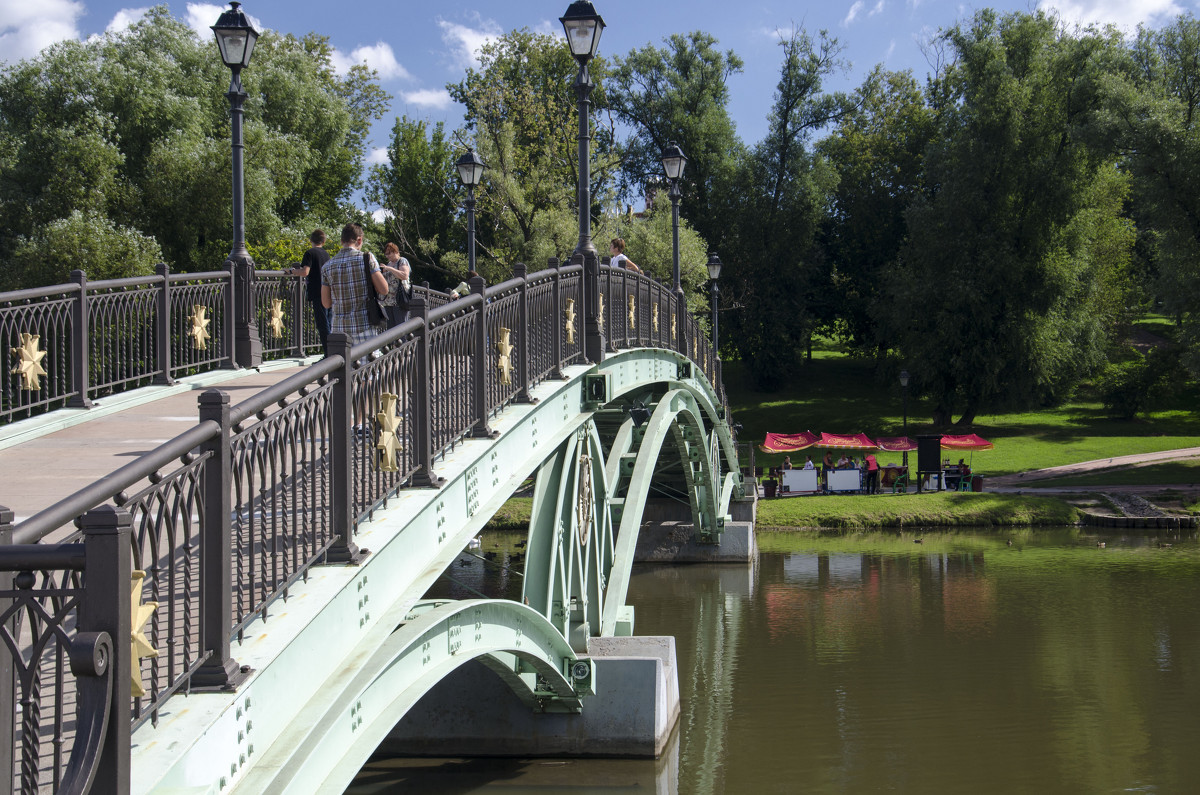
{"x": 43, "y": 462}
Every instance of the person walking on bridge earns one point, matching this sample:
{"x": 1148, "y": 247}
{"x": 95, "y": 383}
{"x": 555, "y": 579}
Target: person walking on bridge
{"x": 344, "y": 284}
{"x": 310, "y": 270}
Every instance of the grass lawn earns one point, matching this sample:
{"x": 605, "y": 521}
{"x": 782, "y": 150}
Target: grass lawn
{"x": 1169, "y": 473}
{"x": 840, "y": 394}
{"x": 936, "y": 509}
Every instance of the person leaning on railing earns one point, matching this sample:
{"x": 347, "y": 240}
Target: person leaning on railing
{"x": 310, "y": 269}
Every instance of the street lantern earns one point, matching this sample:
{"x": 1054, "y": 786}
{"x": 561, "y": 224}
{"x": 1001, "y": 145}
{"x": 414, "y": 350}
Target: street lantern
{"x": 235, "y": 38}
{"x": 674, "y": 161}
{"x": 714, "y": 271}
{"x": 904, "y": 387}
{"x": 583, "y": 27}
{"x": 470, "y": 171}
{"x": 470, "y": 168}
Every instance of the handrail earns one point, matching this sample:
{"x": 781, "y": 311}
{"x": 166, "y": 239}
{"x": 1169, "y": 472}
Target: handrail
{"x": 214, "y": 504}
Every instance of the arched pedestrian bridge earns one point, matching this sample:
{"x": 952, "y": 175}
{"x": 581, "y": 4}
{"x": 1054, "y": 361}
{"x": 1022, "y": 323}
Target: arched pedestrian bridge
{"x": 280, "y": 549}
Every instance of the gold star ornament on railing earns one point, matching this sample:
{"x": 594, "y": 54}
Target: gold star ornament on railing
{"x": 654, "y": 317}
{"x": 504, "y": 356}
{"x": 388, "y": 445}
{"x": 199, "y": 321}
{"x": 29, "y": 361}
{"x": 632, "y": 312}
{"x": 139, "y": 644}
{"x": 276, "y": 321}
{"x": 569, "y": 317}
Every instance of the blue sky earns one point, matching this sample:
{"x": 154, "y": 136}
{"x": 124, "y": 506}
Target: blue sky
{"x": 419, "y": 47}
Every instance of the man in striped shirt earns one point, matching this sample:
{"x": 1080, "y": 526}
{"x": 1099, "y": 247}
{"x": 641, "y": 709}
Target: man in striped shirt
{"x": 344, "y": 286}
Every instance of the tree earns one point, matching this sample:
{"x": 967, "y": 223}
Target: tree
{"x": 521, "y": 107}
{"x": 88, "y": 242}
{"x": 679, "y": 93}
{"x": 648, "y": 242}
{"x": 878, "y": 151}
{"x": 133, "y": 126}
{"x": 777, "y": 280}
{"x": 1154, "y": 114}
{"x": 416, "y": 190}
{"x": 1001, "y": 294}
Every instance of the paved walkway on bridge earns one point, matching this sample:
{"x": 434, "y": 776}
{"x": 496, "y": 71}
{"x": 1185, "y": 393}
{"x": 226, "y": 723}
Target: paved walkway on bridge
{"x": 47, "y": 458}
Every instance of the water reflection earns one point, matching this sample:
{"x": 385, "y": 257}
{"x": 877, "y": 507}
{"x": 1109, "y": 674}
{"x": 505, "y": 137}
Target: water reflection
{"x": 964, "y": 663}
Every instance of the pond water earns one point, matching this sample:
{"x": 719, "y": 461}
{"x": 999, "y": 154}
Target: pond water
{"x": 858, "y": 663}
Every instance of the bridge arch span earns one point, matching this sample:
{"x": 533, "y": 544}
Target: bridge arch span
{"x": 331, "y": 739}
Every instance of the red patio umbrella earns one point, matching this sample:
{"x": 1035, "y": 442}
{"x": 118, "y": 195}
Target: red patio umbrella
{"x": 895, "y": 444}
{"x": 968, "y": 441}
{"x": 788, "y": 442}
{"x": 857, "y": 441}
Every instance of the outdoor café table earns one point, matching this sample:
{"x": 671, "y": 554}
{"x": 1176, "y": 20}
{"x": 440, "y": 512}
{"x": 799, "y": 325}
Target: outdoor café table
{"x": 796, "y": 481}
{"x": 845, "y": 480}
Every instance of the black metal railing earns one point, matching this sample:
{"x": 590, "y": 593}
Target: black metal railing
{"x": 224, "y": 519}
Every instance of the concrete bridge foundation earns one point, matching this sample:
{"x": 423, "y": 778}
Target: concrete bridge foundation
{"x": 472, "y": 713}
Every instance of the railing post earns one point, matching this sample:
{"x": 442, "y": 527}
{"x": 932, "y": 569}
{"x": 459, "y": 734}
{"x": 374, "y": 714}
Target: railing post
{"x": 81, "y": 349}
{"x": 230, "y": 313}
{"x": 479, "y": 363}
{"x": 162, "y": 326}
{"x": 522, "y": 273}
{"x": 105, "y": 607}
{"x": 680, "y": 315}
{"x": 593, "y": 334}
{"x": 558, "y": 320}
{"x": 220, "y": 671}
{"x": 423, "y": 402}
{"x": 341, "y": 491}
{"x": 247, "y": 346}
{"x": 7, "y": 682}
{"x": 299, "y": 312}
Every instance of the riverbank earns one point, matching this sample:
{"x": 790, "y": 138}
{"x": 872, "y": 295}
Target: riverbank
{"x": 932, "y": 509}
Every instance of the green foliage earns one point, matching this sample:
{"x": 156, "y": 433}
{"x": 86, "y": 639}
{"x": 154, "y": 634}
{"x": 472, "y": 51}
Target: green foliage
{"x": 88, "y": 242}
{"x": 1003, "y": 290}
{"x": 133, "y": 126}
{"x": 938, "y": 509}
{"x": 416, "y": 190}
{"x": 648, "y": 243}
{"x": 521, "y": 106}
{"x": 878, "y": 150}
{"x": 680, "y": 93}
{"x": 1128, "y": 388}
{"x": 284, "y": 251}
{"x": 778, "y": 282}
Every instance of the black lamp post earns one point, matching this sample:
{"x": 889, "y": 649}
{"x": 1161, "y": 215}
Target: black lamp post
{"x": 236, "y": 38}
{"x": 904, "y": 387}
{"x": 674, "y": 161}
{"x": 714, "y": 271}
{"x": 470, "y": 171}
{"x": 583, "y": 27}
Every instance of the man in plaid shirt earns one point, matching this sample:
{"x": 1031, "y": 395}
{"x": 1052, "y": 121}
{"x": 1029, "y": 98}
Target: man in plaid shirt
{"x": 344, "y": 286}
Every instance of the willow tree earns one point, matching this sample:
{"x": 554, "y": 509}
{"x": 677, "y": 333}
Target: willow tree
{"x": 1002, "y": 294}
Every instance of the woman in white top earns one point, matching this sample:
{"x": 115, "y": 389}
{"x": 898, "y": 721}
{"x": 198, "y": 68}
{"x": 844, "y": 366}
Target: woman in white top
{"x": 619, "y": 260}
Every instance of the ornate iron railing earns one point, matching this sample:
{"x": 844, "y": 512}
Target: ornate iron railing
{"x": 223, "y": 520}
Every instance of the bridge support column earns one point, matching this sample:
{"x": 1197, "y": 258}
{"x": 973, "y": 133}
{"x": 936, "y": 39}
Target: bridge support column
{"x": 473, "y": 713}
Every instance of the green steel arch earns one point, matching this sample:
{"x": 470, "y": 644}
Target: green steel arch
{"x": 515, "y": 641}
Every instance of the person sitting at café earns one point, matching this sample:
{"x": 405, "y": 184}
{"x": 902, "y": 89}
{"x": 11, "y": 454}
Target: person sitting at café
{"x": 787, "y": 462}
{"x": 808, "y": 463}
{"x": 843, "y": 462}
{"x": 963, "y": 468}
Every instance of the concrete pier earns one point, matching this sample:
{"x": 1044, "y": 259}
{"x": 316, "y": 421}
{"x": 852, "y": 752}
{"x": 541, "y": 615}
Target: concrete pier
{"x": 473, "y": 713}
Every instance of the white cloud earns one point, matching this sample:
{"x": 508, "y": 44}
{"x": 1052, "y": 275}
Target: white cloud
{"x": 201, "y": 17}
{"x": 125, "y": 19}
{"x": 891, "y": 49}
{"x": 377, "y": 157}
{"x": 1122, "y": 13}
{"x": 464, "y": 42}
{"x": 878, "y": 9}
{"x": 378, "y": 56}
{"x": 436, "y": 98}
{"x": 28, "y": 28}
{"x": 380, "y": 215}
{"x": 854, "y": 9}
